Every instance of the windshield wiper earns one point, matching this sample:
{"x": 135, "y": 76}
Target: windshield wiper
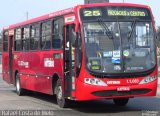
{"x": 133, "y": 26}
{"x": 108, "y": 32}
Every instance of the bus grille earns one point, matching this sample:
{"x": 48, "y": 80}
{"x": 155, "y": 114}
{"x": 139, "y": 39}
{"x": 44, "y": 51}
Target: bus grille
{"x": 109, "y": 93}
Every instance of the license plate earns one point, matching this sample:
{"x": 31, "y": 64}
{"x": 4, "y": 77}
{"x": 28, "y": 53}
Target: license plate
{"x": 123, "y": 88}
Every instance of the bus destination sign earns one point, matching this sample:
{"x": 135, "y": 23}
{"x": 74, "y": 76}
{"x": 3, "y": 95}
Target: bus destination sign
{"x": 114, "y": 12}
{"x": 126, "y": 13}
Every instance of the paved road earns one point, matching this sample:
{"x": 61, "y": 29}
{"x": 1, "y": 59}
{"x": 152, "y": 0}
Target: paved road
{"x": 36, "y": 101}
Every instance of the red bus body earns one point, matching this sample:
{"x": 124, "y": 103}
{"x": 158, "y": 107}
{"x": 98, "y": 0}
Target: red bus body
{"x": 35, "y": 76}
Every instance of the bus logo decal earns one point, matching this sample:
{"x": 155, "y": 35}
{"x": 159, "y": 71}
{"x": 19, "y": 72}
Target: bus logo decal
{"x": 22, "y": 63}
{"x": 48, "y": 62}
{"x": 113, "y": 82}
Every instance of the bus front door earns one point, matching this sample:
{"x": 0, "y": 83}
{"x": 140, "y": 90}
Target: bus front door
{"x": 69, "y": 60}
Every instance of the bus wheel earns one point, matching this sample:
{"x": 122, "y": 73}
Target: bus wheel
{"x": 61, "y": 101}
{"x": 19, "y": 90}
{"x": 121, "y": 101}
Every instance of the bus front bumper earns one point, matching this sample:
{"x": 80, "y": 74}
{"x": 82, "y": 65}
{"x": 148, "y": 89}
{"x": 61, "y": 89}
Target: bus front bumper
{"x": 90, "y": 92}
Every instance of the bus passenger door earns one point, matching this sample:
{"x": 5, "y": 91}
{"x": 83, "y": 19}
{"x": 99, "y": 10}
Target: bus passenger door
{"x": 69, "y": 60}
{"x": 10, "y": 58}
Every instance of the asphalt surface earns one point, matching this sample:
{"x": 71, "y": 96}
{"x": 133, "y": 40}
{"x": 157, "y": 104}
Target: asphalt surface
{"x": 40, "y": 104}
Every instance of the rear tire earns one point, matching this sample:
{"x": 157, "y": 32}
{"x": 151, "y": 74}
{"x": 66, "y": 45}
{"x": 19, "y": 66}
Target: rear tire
{"x": 121, "y": 101}
{"x": 61, "y": 101}
{"x": 19, "y": 90}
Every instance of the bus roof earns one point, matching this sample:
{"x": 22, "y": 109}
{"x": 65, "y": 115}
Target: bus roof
{"x": 70, "y": 10}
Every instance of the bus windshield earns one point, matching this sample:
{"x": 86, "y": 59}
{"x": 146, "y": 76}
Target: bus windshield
{"x": 118, "y": 39}
{"x": 131, "y": 48}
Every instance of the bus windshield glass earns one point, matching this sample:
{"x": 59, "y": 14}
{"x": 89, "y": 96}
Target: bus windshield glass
{"x": 120, "y": 46}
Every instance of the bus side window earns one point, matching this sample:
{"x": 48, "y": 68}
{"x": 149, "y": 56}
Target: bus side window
{"x": 46, "y": 35}
{"x": 25, "y": 38}
{"x": 35, "y": 39}
{"x": 5, "y": 41}
{"x": 17, "y": 41}
{"x": 57, "y": 39}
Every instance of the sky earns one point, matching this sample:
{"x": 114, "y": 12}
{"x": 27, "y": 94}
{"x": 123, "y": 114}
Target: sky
{"x": 14, "y": 11}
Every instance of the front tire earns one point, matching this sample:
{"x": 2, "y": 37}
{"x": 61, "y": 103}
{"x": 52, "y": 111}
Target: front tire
{"x": 121, "y": 101}
{"x": 61, "y": 101}
{"x": 19, "y": 90}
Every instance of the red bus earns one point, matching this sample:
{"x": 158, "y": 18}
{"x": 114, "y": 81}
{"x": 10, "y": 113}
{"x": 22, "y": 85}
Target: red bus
{"x": 88, "y": 52}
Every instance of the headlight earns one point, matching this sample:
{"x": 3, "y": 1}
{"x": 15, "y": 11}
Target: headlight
{"x": 148, "y": 79}
{"x": 93, "y": 81}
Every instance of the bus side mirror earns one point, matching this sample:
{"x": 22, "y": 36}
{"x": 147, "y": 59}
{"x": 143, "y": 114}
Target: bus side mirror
{"x": 156, "y": 34}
